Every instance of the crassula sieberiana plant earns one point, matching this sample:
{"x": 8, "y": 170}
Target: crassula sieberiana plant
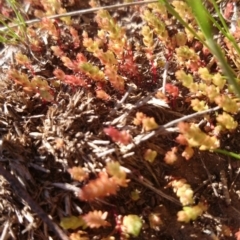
{"x": 185, "y": 194}
{"x": 107, "y": 66}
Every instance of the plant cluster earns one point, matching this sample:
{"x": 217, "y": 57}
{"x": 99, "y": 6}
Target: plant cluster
{"x": 105, "y": 65}
{"x": 185, "y": 194}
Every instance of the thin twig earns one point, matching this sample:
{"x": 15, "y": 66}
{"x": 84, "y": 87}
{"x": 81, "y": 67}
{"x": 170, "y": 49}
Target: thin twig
{"x": 164, "y": 128}
{"x": 67, "y": 187}
{"x": 102, "y": 154}
{"x": 165, "y": 77}
{"x": 22, "y": 193}
{"x": 157, "y": 191}
{"x": 190, "y": 116}
{"x": 225, "y": 189}
{"x": 4, "y": 234}
{"x": 79, "y": 12}
{"x": 209, "y": 177}
{"x": 33, "y": 116}
{"x": 119, "y": 104}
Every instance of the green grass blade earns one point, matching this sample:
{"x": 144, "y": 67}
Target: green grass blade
{"x": 201, "y": 17}
{"x": 225, "y": 29}
{"x": 9, "y": 35}
{"x": 15, "y": 7}
{"x": 227, "y": 153}
{"x": 219, "y": 15}
{"x": 178, "y": 17}
{"x": 203, "y": 20}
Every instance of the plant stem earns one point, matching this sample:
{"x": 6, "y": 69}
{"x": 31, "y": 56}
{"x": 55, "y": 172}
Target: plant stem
{"x": 227, "y": 153}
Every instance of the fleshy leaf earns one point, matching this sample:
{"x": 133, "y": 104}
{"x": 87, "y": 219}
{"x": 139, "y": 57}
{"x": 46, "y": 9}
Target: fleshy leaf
{"x": 150, "y": 155}
{"x": 118, "y": 136}
{"x": 117, "y": 173}
{"x": 72, "y": 222}
{"x": 100, "y": 187}
{"x": 96, "y": 219}
{"x": 78, "y": 173}
{"x": 132, "y": 224}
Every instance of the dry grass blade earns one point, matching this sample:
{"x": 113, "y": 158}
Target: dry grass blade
{"x": 157, "y": 191}
{"x": 20, "y": 191}
{"x": 80, "y": 12}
